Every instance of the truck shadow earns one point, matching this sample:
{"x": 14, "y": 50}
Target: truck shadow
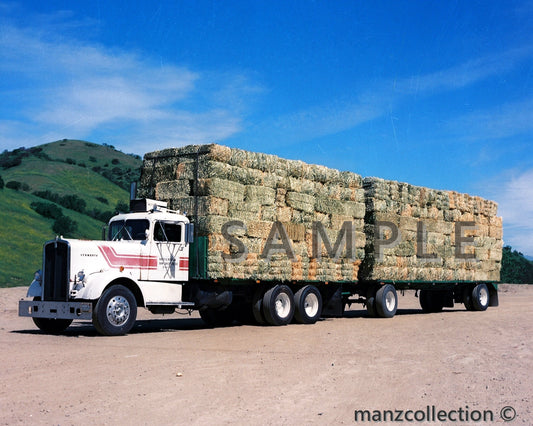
{"x": 86, "y": 329}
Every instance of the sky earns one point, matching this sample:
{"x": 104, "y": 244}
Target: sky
{"x": 437, "y": 94}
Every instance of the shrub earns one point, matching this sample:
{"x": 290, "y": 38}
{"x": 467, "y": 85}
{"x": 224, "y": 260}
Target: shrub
{"x": 1, "y": 183}
{"x": 64, "y": 225}
{"x": 13, "y": 184}
{"x": 47, "y": 209}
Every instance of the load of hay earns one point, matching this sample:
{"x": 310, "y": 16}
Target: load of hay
{"x": 233, "y": 194}
{"x": 442, "y": 235}
{"x": 268, "y": 218}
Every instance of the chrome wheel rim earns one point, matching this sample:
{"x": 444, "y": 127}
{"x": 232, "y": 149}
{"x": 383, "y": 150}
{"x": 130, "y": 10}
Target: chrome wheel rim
{"x": 118, "y": 310}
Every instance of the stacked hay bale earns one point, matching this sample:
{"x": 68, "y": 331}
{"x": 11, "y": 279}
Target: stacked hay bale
{"x": 217, "y": 186}
{"x": 443, "y": 235}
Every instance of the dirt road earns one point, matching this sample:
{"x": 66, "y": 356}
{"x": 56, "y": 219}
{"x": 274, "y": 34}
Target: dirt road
{"x": 176, "y": 371}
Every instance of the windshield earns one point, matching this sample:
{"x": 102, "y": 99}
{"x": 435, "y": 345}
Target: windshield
{"x": 134, "y": 229}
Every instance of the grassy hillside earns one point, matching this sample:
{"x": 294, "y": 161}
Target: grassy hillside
{"x": 97, "y": 176}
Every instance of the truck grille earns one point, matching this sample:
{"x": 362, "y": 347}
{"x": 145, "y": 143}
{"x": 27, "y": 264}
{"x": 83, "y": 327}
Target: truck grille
{"x": 56, "y": 271}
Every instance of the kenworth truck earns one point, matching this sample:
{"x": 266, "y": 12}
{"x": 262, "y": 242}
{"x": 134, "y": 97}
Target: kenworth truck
{"x": 147, "y": 260}
{"x": 268, "y": 240}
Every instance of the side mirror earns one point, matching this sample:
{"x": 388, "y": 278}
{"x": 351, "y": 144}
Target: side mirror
{"x": 104, "y": 233}
{"x": 189, "y": 232}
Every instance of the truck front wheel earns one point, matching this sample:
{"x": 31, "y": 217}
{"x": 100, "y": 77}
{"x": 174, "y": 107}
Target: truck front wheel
{"x": 386, "y": 301}
{"x": 278, "y": 305}
{"x": 115, "y": 312}
{"x": 52, "y": 325}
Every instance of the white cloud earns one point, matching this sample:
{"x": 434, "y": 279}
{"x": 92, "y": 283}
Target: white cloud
{"x": 386, "y": 95}
{"x": 502, "y": 121}
{"x": 515, "y": 199}
{"x": 465, "y": 74}
{"x": 67, "y": 88}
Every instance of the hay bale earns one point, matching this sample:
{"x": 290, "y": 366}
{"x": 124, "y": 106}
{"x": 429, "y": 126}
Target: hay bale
{"x": 224, "y": 184}
{"x": 427, "y": 221}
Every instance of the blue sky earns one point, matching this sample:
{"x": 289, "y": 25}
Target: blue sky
{"x": 436, "y": 93}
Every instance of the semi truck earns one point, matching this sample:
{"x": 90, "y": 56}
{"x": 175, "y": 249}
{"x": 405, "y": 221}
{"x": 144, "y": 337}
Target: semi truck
{"x": 278, "y": 266}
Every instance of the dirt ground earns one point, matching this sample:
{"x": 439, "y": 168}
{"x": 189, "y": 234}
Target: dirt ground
{"x": 174, "y": 370}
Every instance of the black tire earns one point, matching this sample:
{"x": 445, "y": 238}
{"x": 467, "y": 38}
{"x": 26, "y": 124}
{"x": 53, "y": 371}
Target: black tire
{"x": 308, "y": 305}
{"x": 480, "y": 297}
{"x": 371, "y": 303}
{"x": 278, "y": 305}
{"x": 115, "y": 312}
{"x": 257, "y": 307}
{"x": 467, "y": 298}
{"x": 431, "y": 301}
{"x": 52, "y": 325}
{"x": 386, "y": 301}
{"x": 217, "y": 318}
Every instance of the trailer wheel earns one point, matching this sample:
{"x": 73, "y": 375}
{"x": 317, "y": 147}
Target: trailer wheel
{"x": 467, "y": 298}
{"x": 257, "y": 307}
{"x": 308, "y": 305}
{"x": 115, "y": 312}
{"x": 430, "y": 301}
{"x": 386, "y": 301}
{"x": 371, "y": 302}
{"x": 278, "y": 305}
{"x": 480, "y": 297}
{"x": 52, "y": 325}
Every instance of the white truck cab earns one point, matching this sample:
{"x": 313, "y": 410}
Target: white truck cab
{"x": 142, "y": 261}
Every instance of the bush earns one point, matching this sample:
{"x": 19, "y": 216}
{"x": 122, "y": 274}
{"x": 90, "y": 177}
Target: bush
{"x": 48, "y": 210}
{"x": 1, "y": 183}
{"x": 64, "y": 226}
{"x": 73, "y": 202}
{"x": 516, "y": 269}
{"x": 13, "y": 184}
{"x": 122, "y": 207}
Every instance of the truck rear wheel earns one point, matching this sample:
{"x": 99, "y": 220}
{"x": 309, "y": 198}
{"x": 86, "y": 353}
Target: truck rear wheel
{"x": 115, "y": 312}
{"x": 308, "y": 305}
{"x": 386, "y": 301}
{"x": 480, "y": 297}
{"x": 278, "y": 305}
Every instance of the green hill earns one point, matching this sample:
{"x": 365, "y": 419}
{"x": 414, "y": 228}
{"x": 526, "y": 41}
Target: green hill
{"x": 82, "y": 181}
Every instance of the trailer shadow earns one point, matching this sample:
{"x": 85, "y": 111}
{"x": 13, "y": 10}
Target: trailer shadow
{"x": 362, "y": 313}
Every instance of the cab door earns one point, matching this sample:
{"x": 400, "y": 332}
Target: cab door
{"x": 169, "y": 246}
